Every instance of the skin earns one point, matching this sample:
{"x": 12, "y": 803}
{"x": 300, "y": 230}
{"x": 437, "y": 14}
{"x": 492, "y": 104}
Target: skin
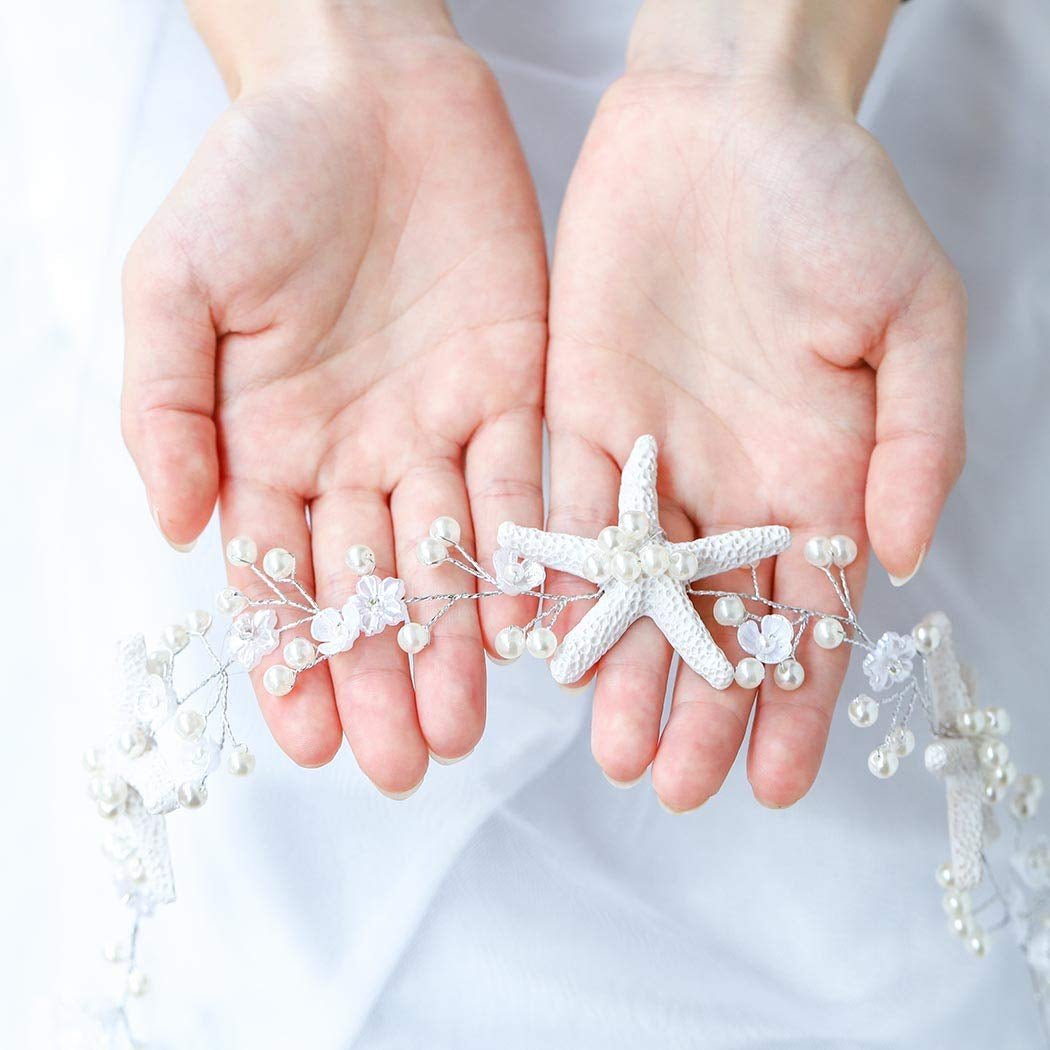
{"x": 342, "y": 308}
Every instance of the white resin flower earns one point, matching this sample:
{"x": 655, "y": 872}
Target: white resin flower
{"x": 252, "y": 636}
{"x": 890, "y": 662}
{"x": 336, "y": 631}
{"x": 379, "y": 603}
{"x": 771, "y": 642}
{"x": 515, "y": 574}
{"x": 1032, "y": 864}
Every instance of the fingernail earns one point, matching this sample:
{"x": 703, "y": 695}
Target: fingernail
{"x": 900, "y": 581}
{"x": 498, "y": 661}
{"x": 573, "y": 690}
{"x": 400, "y": 796}
{"x": 773, "y": 805}
{"x": 448, "y": 761}
{"x": 623, "y": 784}
{"x": 182, "y": 548}
{"x": 677, "y": 812}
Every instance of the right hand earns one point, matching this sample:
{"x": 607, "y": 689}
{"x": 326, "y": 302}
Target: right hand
{"x": 341, "y": 308}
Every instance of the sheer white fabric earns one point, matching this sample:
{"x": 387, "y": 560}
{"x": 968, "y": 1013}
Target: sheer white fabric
{"x": 517, "y": 901}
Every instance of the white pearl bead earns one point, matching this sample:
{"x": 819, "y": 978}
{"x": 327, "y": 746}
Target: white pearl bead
{"x": 192, "y": 794}
{"x": 114, "y": 952}
{"x": 883, "y": 762}
{"x": 137, "y": 984}
{"x": 446, "y": 529}
{"x": 997, "y": 721}
{"x": 229, "y": 602}
{"x": 611, "y": 538}
{"x": 749, "y": 673}
{"x": 431, "y": 551}
{"x": 189, "y": 723}
{"x": 828, "y": 633}
{"x": 241, "y": 550}
{"x": 92, "y": 759}
{"x": 108, "y": 812}
{"x": 299, "y": 653}
{"x": 198, "y": 621}
{"x": 361, "y": 560}
{"x": 994, "y": 792}
{"x": 655, "y": 559}
{"x": 278, "y": 564}
{"x": 993, "y": 753}
{"x": 111, "y": 791}
{"x": 789, "y": 675}
{"x": 945, "y": 876}
{"x": 413, "y": 637}
{"x": 158, "y": 662}
{"x": 134, "y": 870}
{"x": 133, "y": 742}
{"x": 902, "y": 741}
{"x": 278, "y": 680}
{"x": 927, "y": 637}
{"x": 240, "y": 762}
{"x": 1004, "y": 775}
{"x": 817, "y": 551}
{"x": 956, "y": 903}
{"x": 1023, "y": 806}
{"x": 541, "y": 642}
{"x": 843, "y": 551}
{"x": 970, "y": 721}
{"x": 978, "y": 945}
{"x": 175, "y": 637}
{"x": 634, "y": 525}
{"x": 863, "y": 711}
{"x": 961, "y": 925}
{"x": 510, "y": 643}
{"x": 730, "y": 611}
{"x": 626, "y": 566}
{"x": 596, "y": 568}
{"x": 684, "y": 565}
{"x": 1030, "y": 785}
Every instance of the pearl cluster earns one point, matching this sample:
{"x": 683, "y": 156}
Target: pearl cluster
{"x": 629, "y": 551}
{"x": 959, "y": 909}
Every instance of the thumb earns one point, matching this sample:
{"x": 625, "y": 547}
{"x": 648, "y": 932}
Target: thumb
{"x": 169, "y": 386}
{"x": 920, "y": 443}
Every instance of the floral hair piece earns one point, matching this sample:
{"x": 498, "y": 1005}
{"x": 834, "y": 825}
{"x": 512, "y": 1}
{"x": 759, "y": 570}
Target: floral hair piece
{"x": 168, "y": 738}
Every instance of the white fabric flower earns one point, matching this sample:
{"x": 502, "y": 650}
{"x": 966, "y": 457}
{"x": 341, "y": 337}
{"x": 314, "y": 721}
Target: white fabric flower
{"x": 771, "y": 642}
{"x": 336, "y": 631}
{"x": 252, "y": 636}
{"x": 890, "y": 662}
{"x": 187, "y": 760}
{"x": 515, "y": 574}
{"x": 155, "y": 704}
{"x": 379, "y": 603}
{"x": 1033, "y": 864}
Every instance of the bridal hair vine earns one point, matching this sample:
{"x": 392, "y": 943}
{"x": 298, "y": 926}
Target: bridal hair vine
{"x": 171, "y": 733}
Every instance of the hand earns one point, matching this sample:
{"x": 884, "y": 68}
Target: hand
{"x": 740, "y": 272}
{"x": 341, "y": 308}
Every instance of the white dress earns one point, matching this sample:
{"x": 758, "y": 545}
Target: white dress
{"x": 517, "y": 901}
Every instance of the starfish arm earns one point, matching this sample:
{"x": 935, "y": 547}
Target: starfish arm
{"x": 556, "y": 550}
{"x": 736, "y": 549}
{"x": 638, "y": 481}
{"x": 948, "y": 690}
{"x": 669, "y": 605}
{"x": 600, "y": 629}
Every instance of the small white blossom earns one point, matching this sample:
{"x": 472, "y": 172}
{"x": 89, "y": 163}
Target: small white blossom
{"x": 771, "y": 642}
{"x": 156, "y": 702}
{"x": 252, "y": 636}
{"x": 515, "y": 574}
{"x": 380, "y": 603}
{"x": 890, "y": 662}
{"x": 1032, "y": 864}
{"x": 336, "y": 631}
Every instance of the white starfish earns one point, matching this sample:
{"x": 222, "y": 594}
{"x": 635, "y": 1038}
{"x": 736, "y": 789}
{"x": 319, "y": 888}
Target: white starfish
{"x": 954, "y": 758}
{"x": 661, "y": 597}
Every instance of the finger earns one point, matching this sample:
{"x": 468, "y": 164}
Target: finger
{"x": 706, "y": 726}
{"x": 169, "y": 387}
{"x": 449, "y": 673}
{"x": 630, "y": 688}
{"x": 919, "y": 432}
{"x": 304, "y": 722}
{"x": 791, "y": 727}
{"x": 583, "y": 490}
{"x": 373, "y": 687}
{"x": 504, "y": 473}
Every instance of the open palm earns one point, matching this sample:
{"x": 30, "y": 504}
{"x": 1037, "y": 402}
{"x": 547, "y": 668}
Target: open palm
{"x": 743, "y": 276}
{"x": 341, "y": 309}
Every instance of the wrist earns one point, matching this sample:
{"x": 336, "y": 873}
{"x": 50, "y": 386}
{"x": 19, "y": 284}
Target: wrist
{"x": 818, "y": 47}
{"x": 253, "y": 41}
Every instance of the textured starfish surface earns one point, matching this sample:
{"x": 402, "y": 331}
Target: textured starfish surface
{"x": 661, "y": 597}
{"x": 955, "y": 759}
